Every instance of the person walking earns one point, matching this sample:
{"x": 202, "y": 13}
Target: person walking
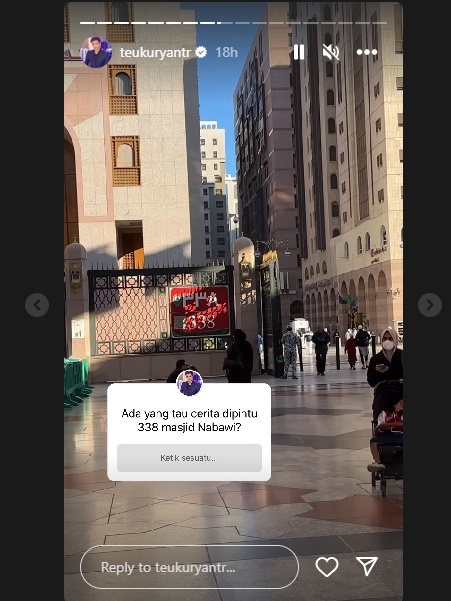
{"x": 260, "y": 352}
{"x": 290, "y": 343}
{"x": 363, "y": 343}
{"x": 321, "y": 340}
{"x": 351, "y": 351}
{"x": 308, "y": 342}
{"x": 239, "y": 361}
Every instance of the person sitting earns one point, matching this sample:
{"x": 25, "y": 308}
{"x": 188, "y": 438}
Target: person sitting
{"x": 387, "y": 364}
{"x": 190, "y": 387}
{"x": 180, "y": 366}
{"x": 389, "y": 429}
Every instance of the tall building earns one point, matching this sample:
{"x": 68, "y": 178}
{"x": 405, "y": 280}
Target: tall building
{"x": 232, "y": 207}
{"x": 216, "y": 218}
{"x": 349, "y": 151}
{"x": 267, "y": 186}
{"x": 132, "y": 179}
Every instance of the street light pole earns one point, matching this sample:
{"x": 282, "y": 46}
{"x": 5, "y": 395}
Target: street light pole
{"x": 271, "y": 244}
{"x": 232, "y": 217}
{"x": 271, "y": 304}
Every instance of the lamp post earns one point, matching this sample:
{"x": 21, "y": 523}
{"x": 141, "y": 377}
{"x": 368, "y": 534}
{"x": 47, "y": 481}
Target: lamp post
{"x": 270, "y": 320}
{"x": 270, "y": 244}
{"x": 233, "y": 220}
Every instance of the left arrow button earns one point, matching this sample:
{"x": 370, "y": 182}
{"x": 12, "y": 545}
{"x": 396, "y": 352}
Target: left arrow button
{"x": 37, "y": 304}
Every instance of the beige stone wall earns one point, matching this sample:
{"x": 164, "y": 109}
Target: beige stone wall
{"x": 377, "y": 289}
{"x": 362, "y": 252}
{"x": 151, "y": 367}
{"x": 169, "y": 199}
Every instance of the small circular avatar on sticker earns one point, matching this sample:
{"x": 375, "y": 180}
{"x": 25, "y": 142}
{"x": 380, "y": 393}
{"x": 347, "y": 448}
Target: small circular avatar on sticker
{"x": 189, "y": 382}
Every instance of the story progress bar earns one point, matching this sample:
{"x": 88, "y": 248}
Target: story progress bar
{"x": 231, "y": 23}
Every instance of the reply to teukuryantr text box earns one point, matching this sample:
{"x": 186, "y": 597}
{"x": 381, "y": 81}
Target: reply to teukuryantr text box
{"x": 157, "y": 433}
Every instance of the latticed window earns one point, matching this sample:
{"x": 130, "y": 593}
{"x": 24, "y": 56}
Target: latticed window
{"x": 122, "y": 86}
{"x": 66, "y": 23}
{"x": 120, "y": 14}
{"x": 126, "y": 165}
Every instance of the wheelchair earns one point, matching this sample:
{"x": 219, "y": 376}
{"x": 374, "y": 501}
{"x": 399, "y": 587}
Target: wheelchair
{"x": 391, "y": 455}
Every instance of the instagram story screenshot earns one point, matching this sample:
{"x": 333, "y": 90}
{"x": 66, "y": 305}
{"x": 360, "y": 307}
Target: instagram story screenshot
{"x": 233, "y": 301}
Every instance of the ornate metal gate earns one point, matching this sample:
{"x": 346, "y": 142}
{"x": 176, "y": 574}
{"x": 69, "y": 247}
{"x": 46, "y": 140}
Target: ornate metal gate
{"x": 271, "y": 314}
{"x": 161, "y": 310}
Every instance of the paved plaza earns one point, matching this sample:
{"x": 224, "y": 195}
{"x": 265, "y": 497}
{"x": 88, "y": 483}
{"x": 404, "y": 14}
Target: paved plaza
{"x": 318, "y": 503}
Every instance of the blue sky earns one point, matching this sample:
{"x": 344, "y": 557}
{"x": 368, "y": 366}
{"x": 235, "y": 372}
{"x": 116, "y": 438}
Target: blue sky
{"x": 218, "y": 76}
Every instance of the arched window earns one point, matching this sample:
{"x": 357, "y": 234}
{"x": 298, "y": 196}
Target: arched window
{"x": 334, "y": 182}
{"x": 125, "y": 156}
{"x": 327, "y": 39}
{"x": 330, "y": 98}
{"x": 335, "y": 209}
{"x": 120, "y": 12}
{"x": 346, "y": 250}
{"x": 327, "y": 13}
{"x": 312, "y": 273}
{"x": 335, "y": 233}
{"x": 122, "y": 84}
{"x": 203, "y": 126}
{"x": 317, "y": 268}
{"x": 383, "y": 236}
{"x": 332, "y": 153}
{"x": 331, "y": 126}
{"x": 367, "y": 242}
{"x": 359, "y": 246}
{"x": 324, "y": 267}
{"x": 306, "y": 274}
{"x": 329, "y": 69}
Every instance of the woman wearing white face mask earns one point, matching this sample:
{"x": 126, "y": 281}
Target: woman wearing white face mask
{"x": 387, "y": 364}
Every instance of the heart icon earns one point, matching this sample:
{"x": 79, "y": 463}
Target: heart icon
{"x": 329, "y": 570}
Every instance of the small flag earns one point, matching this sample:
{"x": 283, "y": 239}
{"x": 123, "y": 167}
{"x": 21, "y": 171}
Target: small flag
{"x": 351, "y": 300}
{"x": 341, "y": 300}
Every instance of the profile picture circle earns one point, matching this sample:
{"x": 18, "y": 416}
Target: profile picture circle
{"x": 96, "y": 52}
{"x": 189, "y": 382}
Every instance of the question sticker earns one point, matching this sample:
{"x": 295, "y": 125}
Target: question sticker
{"x": 155, "y": 433}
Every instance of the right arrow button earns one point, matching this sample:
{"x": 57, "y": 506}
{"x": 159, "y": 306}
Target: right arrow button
{"x": 430, "y": 305}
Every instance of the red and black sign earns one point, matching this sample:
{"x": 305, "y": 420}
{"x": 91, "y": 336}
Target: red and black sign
{"x": 200, "y": 311}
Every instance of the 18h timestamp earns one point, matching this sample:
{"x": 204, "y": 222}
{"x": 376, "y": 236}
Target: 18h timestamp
{"x": 227, "y": 52}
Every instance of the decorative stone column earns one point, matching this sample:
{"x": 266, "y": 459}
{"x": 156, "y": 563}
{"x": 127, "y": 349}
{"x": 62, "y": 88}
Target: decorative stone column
{"x": 245, "y": 293}
{"x": 77, "y": 301}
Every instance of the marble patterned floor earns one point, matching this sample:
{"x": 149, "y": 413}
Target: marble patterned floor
{"x": 318, "y": 503}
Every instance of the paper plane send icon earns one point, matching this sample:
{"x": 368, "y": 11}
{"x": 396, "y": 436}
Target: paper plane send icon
{"x": 368, "y": 563}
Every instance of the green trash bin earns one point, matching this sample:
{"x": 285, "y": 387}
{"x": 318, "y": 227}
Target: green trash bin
{"x": 86, "y": 389}
{"x": 74, "y": 388}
